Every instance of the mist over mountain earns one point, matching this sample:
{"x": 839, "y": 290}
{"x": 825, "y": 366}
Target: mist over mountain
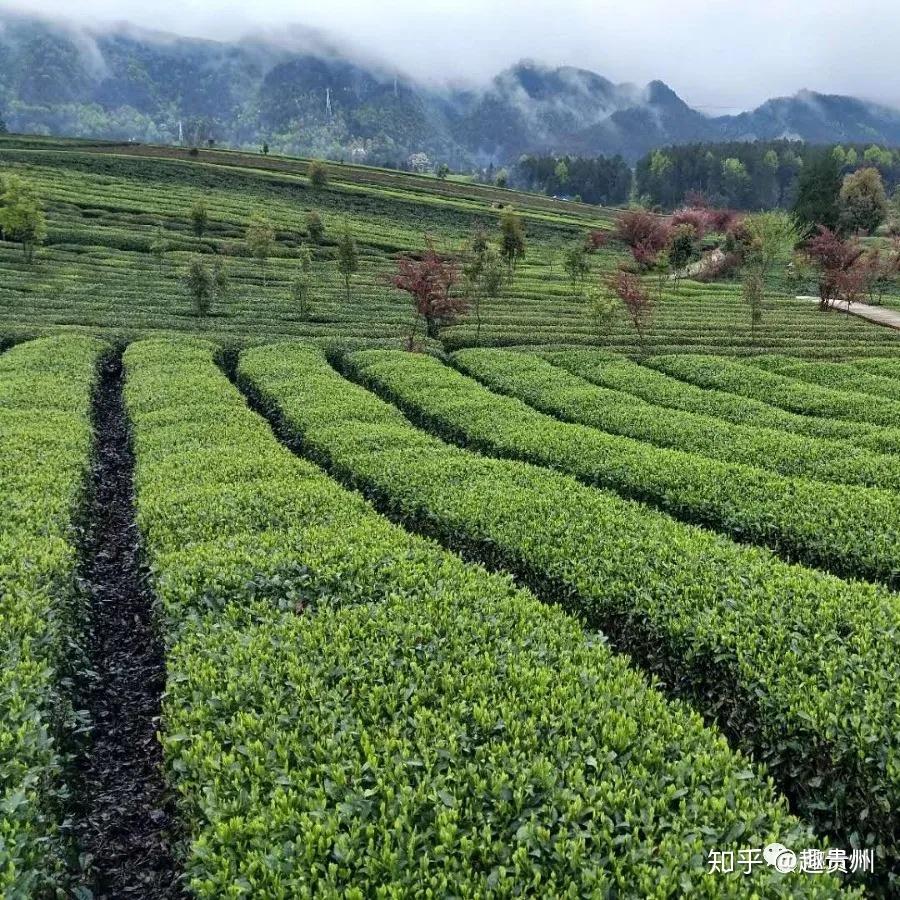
{"x": 307, "y": 93}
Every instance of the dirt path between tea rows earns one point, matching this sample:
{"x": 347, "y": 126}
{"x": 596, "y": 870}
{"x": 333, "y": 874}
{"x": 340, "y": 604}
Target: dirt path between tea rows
{"x": 124, "y": 819}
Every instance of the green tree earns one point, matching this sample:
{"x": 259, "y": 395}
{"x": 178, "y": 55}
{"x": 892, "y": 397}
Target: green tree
{"x": 199, "y": 217}
{"x": 864, "y": 204}
{"x": 660, "y": 164}
{"x": 769, "y": 238}
{"x": 603, "y": 310}
{"x": 818, "y": 194}
{"x": 512, "y": 238}
{"x": 159, "y": 245}
{"x": 735, "y": 180}
{"x": 318, "y": 174}
{"x": 577, "y": 266}
{"x": 260, "y": 240}
{"x": 876, "y": 156}
{"x": 443, "y": 171}
{"x": 199, "y": 283}
{"x": 347, "y": 257}
{"x": 315, "y": 229}
{"x": 205, "y": 285}
{"x": 681, "y": 249}
{"x": 221, "y": 281}
{"x": 302, "y": 285}
{"x": 482, "y": 276}
{"x": 562, "y": 173}
{"x": 21, "y": 216}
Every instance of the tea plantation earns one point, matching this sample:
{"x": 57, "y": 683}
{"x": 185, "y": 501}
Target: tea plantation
{"x": 550, "y": 608}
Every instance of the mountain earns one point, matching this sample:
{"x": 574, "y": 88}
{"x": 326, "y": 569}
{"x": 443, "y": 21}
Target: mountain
{"x": 817, "y": 118}
{"x": 305, "y": 93}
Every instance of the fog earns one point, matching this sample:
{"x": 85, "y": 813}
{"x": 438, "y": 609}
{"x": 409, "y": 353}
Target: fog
{"x": 719, "y": 56}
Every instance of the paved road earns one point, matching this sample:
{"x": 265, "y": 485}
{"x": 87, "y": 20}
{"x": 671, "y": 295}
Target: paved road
{"x": 880, "y": 315}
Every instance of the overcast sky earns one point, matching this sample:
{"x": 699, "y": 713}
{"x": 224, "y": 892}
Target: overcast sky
{"x": 719, "y": 55}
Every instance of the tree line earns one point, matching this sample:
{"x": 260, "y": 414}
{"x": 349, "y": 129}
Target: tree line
{"x": 749, "y": 176}
{"x": 598, "y": 180}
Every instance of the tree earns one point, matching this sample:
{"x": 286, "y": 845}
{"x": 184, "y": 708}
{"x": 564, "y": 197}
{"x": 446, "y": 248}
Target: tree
{"x": 315, "y": 229}
{"x": 735, "y": 181}
{"x": 799, "y": 272}
{"x": 681, "y": 249}
{"x": 199, "y": 217}
{"x": 835, "y": 259}
{"x": 302, "y": 285}
{"x": 318, "y": 174}
{"x": 864, "y": 203}
{"x": 205, "y": 286}
{"x": 660, "y": 164}
{"x": 602, "y": 310}
{"x": 880, "y": 270}
{"x": 639, "y": 228}
{"x": 347, "y": 257}
{"x": 596, "y": 240}
{"x": 21, "y": 216}
{"x": 876, "y": 156}
{"x": 562, "y": 173}
{"x": 502, "y": 178}
{"x": 637, "y": 302}
{"x": 265, "y": 149}
{"x": 577, "y": 266}
{"x": 479, "y": 240}
{"x": 260, "y": 240}
{"x": 512, "y": 238}
{"x": 482, "y": 276}
{"x": 443, "y": 171}
{"x": 220, "y": 280}
{"x": 766, "y": 239}
{"x": 429, "y": 281}
{"x": 159, "y": 245}
{"x": 818, "y": 194}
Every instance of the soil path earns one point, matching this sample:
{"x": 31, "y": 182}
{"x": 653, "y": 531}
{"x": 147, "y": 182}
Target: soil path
{"x": 123, "y": 811}
{"x": 880, "y": 315}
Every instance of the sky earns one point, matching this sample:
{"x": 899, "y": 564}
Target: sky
{"x": 721, "y": 56}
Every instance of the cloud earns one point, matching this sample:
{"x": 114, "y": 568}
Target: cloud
{"x": 720, "y": 56}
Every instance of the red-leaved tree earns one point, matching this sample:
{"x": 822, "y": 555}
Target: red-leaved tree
{"x": 841, "y": 279}
{"x": 638, "y": 303}
{"x": 429, "y": 281}
{"x": 596, "y": 240}
{"x": 722, "y": 220}
{"x": 880, "y": 270}
{"x": 636, "y": 227}
{"x": 698, "y": 219}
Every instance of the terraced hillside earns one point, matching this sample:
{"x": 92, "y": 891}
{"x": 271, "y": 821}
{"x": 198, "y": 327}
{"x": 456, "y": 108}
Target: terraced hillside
{"x": 108, "y": 204}
{"x": 288, "y": 611}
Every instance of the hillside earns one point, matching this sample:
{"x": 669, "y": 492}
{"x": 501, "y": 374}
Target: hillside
{"x": 320, "y": 99}
{"x": 290, "y": 611}
{"x": 107, "y": 204}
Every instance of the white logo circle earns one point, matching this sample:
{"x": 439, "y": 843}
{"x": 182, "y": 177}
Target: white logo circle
{"x": 780, "y": 858}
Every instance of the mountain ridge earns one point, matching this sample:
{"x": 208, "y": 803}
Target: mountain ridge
{"x": 306, "y": 92}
